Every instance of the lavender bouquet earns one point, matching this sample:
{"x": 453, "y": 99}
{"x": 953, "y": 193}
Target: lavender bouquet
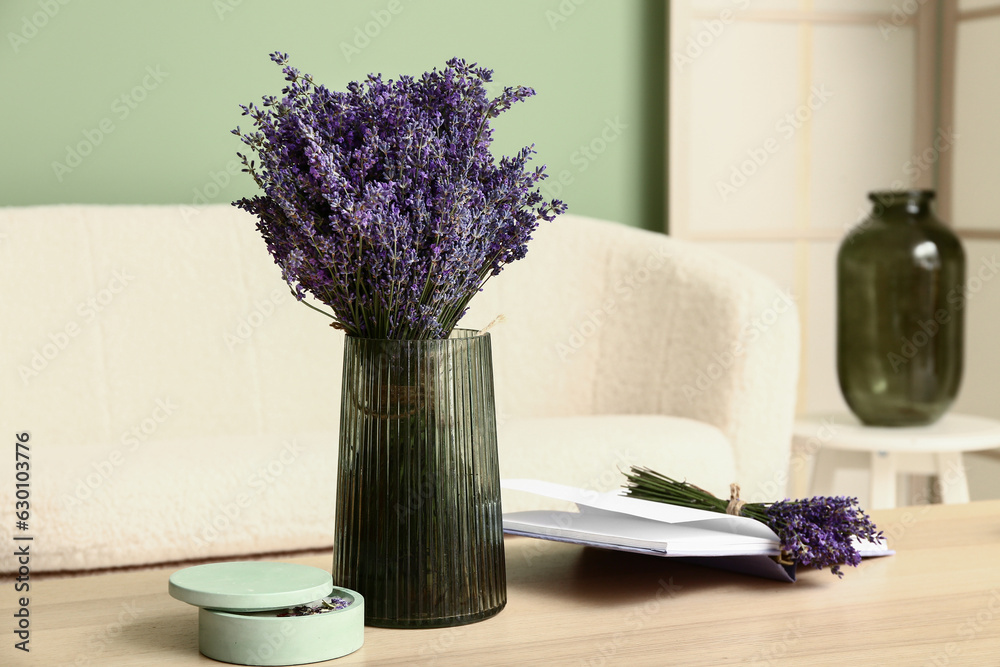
{"x": 384, "y": 202}
{"x": 816, "y": 531}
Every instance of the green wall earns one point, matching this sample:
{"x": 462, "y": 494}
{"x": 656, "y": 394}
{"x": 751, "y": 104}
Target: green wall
{"x": 132, "y": 102}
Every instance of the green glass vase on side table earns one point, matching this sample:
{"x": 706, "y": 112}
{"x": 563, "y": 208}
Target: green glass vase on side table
{"x": 900, "y": 310}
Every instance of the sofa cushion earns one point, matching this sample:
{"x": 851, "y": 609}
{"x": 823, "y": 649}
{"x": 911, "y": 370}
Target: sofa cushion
{"x": 162, "y": 366}
{"x": 181, "y": 499}
{"x": 221, "y": 496}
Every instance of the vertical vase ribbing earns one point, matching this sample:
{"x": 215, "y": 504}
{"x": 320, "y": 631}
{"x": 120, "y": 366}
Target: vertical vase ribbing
{"x": 419, "y": 525}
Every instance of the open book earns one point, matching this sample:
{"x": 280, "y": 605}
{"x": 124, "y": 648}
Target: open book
{"x": 614, "y": 521}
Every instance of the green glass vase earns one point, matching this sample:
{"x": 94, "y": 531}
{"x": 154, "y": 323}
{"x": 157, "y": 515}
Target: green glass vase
{"x": 900, "y": 310}
{"x": 419, "y": 527}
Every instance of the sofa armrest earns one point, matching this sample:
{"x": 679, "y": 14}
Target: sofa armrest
{"x": 607, "y": 319}
{"x": 715, "y": 341}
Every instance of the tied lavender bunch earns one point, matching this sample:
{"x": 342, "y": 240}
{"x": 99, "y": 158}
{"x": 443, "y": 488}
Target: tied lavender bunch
{"x": 384, "y": 202}
{"x": 816, "y": 531}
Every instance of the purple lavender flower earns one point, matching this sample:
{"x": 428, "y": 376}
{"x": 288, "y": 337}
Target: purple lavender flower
{"x": 384, "y": 202}
{"x": 818, "y": 531}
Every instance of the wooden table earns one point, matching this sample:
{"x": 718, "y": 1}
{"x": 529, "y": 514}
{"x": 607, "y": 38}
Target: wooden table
{"x": 936, "y": 602}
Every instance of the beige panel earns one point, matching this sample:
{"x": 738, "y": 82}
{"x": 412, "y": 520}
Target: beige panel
{"x": 742, "y": 152}
{"x": 977, "y": 108}
{"x": 890, "y": 7}
{"x": 775, "y": 259}
{"x": 945, "y": 111}
{"x": 822, "y": 391}
{"x": 983, "y": 471}
{"x": 739, "y": 7}
{"x": 862, "y": 133}
{"x": 969, "y": 5}
{"x": 978, "y": 394}
{"x": 678, "y": 121}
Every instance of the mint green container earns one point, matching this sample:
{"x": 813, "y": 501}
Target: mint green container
{"x": 238, "y": 619}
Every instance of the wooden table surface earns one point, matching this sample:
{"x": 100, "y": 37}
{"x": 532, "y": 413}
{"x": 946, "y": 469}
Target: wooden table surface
{"x": 936, "y": 602}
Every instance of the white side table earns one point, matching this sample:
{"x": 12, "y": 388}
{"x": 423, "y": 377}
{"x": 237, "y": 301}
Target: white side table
{"x": 934, "y": 449}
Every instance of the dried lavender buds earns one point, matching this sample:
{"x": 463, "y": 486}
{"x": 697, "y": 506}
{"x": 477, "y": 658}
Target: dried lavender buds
{"x": 325, "y": 605}
{"x": 384, "y": 202}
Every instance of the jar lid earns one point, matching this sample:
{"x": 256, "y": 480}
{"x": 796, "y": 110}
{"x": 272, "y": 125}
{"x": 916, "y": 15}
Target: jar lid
{"x": 250, "y": 586}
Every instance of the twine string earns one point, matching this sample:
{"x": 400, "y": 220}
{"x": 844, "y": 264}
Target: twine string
{"x": 496, "y": 320}
{"x": 735, "y": 506}
{"x": 390, "y": 396}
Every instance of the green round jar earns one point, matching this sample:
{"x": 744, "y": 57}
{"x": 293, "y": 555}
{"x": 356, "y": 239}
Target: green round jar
{"x": 270, "y": 613}
{"x": 900, "y": 312}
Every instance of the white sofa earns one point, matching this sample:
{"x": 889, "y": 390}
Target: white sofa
{"x": 182, "y": 405}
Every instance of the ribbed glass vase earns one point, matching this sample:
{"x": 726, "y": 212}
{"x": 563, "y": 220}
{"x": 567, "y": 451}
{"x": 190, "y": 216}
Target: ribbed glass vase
{"x": 419, "y": 528}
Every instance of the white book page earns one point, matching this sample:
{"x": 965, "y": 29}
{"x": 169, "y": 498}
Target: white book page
{"x": 713, "y": 527}
{"x": 617, "y": 530}
{"x": 588, "y": 501}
